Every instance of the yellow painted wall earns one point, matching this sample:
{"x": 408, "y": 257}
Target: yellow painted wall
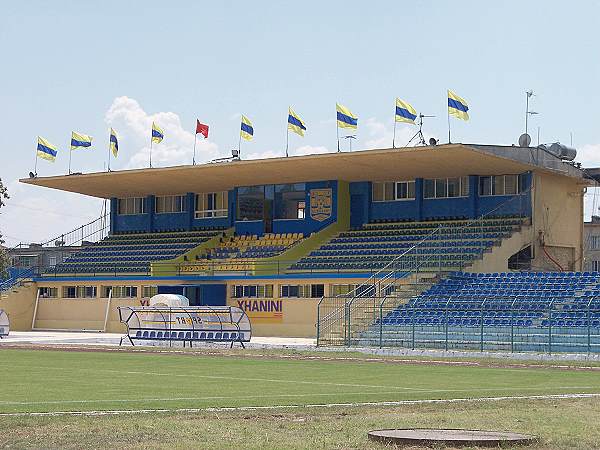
{"x": 558, "y": 220}
{"x": 19, "y": 304}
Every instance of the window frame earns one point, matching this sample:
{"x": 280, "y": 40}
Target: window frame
{"x": 130, "y": 208}
{"x": 463, "y": 187}
{"x": 172, "y": 200}
{"x": 393, "y": 185}
{"x": 493, "y": 183}
{"x": 219, "y": 198}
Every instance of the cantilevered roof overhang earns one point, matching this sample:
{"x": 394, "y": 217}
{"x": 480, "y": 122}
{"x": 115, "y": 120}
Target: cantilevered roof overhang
{"x": 450, "y": 160}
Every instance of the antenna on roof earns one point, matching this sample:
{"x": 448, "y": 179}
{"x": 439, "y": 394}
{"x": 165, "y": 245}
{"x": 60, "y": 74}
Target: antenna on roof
{"x": 419, "y": 134}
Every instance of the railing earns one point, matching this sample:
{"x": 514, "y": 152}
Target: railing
{"x": 93, "y": 231}
{"x": 490, "y": 326}
{"x": 335, "y": 315}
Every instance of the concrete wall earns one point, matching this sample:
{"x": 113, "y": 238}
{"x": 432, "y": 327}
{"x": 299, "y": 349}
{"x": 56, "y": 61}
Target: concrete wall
{"x": 19, "y": 305}
{"x": 557, "y": 222}
{"x": 497, "y": 259}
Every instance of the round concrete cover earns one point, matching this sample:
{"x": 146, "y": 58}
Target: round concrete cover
{"x": 425, "y": 436}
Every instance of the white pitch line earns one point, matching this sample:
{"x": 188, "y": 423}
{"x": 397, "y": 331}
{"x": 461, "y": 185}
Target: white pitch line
{"x": 316, "y": 405}
{"x": 324, "y": 394}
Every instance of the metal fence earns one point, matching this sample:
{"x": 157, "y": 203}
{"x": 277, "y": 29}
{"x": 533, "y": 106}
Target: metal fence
{"x": 492, "y": 327}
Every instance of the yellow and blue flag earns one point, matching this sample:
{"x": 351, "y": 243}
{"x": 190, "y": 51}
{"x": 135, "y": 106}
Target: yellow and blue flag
{"x": 79, "y": 140}
{"x": 114, "y": 143}
{"x": 247, "y": 130}
{"x": 345, "y": 118}
{"x": 405, "y": 112}
{"x": 46, "y": 150}
{"x": 457, "y": 106}
{"x": 157, "y": 133}
{"x": 295, "y": 124}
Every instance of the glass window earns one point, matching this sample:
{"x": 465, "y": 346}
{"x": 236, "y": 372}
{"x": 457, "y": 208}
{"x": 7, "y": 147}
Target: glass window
{"x": 522, "y": 182}
{"x": 149, "y": 291}
{"x": 211, "y": 204}
{"x": 119, "y": 291}
{"x": 252, "y": 291}
{"x": 498, "y": 185}
{"x": 169, "y": 204}
{"x": 340, "y": 289}
{"x": 464, "y": 186}
{"x": 317, "y": 290}
{"x": 485, "y": 185}
{"x": 79, "y": 291}
{"x": 441, "y": 188}
{"x": 511, "y": 184}
{"x": 501, "y": 185}
{"x": 378, "y": 195}
{"x": 69, "y": 292}
{"x": 251, "y": 203}
{"x": 429, "y": 188}
{"x": 290, "y": 201}
{"x": 48, "y": 292}
{"x": 302, "y": 291}
{"x": 453, "y": 187}
{"x": 405, "y": 190}
{"x": 131, "y": 205}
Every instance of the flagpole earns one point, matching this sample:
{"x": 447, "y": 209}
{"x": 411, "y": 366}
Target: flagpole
{"x": 36, "y": 159}
{"x": 449, "y": 140}
{"x": 240, "y": 144}
{"x": 70, "y": 155}
{"x": 150, "y": 150}
{"x": 394, "y": 138}
{"x": 337, "y": 128}
{"x": 109, "y": 153}
{"x": 287, "y": 140}
{"x": 194, "y": 157}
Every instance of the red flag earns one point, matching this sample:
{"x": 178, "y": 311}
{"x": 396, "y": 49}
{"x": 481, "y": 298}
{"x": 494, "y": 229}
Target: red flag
{"x": 202, "y": 129}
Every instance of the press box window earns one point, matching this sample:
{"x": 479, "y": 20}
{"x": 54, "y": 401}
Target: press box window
{"x": 169, "y": 204}
{"x": 250, "y": 203}
{"x": 211, "y": 204}
{"x": 446, "y": 187}
{"x": 393, "y": 190}
{"x": 131, "y": 205}
{"x": 500, "y": 185}
{"x": 290, "y": 201}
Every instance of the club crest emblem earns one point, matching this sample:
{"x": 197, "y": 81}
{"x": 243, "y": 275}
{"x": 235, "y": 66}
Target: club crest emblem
{"x": 320, "y": 204}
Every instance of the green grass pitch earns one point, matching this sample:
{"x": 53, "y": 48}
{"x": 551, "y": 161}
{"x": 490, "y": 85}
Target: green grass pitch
{"x": 58, "y": 381}
{"x": 41, "y": 381}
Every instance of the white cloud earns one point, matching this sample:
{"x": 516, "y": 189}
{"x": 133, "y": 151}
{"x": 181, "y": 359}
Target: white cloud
{"x": 381, "y": 134}
{"x": 134, "y": 125}
{"x": 34, "y": 214}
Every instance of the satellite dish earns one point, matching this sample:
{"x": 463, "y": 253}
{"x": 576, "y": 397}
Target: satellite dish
{"x": 31, "y": 175}
{"x": 524, "y": 140}
{"x": 433, "y": 141}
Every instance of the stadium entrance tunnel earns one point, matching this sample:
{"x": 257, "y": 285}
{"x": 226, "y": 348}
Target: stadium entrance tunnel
{"x": 198, "y": 294}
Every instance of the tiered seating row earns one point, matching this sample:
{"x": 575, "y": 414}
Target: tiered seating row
{"x": 524, "y": 299}
{"x": 373, "y": 246}
{"x": 132, "y": 252}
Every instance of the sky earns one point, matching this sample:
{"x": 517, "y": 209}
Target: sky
{"x": 88, "y": 66}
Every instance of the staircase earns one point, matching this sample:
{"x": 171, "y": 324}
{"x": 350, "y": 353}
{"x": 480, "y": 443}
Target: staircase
{"x": 343, "y": 320}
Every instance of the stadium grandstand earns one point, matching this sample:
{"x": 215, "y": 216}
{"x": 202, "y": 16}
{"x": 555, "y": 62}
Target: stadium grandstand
{"x": 442, "y": 246}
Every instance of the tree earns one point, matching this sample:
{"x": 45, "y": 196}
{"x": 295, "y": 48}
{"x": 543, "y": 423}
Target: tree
{"x": 4, "y": 260}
